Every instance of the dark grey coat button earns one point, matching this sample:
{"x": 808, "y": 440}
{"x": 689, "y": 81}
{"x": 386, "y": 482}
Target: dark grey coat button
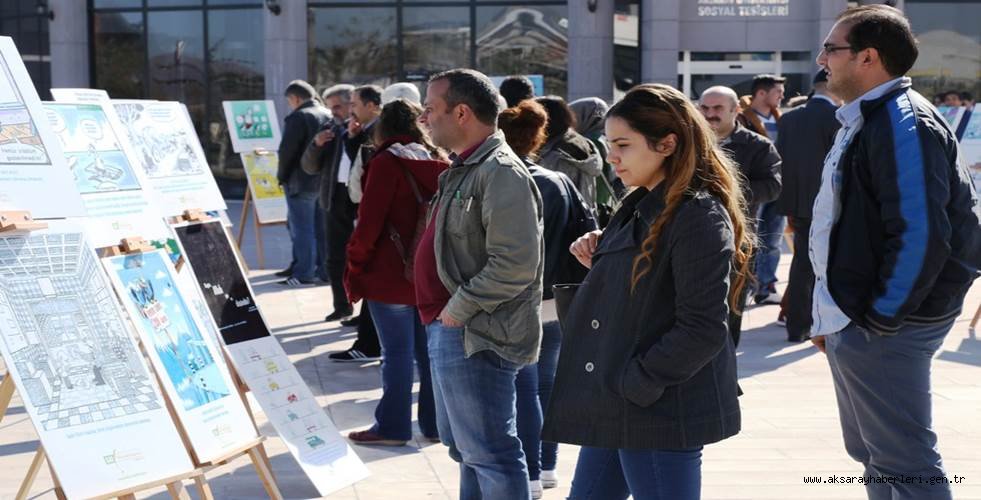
{"x": 589, "y": 367}
{"x": 595, "y": 324}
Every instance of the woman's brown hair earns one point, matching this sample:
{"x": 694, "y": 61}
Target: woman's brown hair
{"x": 524, "y": 127}
{"x": 401, "y": 118}
{"x": 655, "y": 111}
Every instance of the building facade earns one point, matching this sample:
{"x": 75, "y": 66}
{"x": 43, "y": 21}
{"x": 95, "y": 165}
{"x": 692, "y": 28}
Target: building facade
{"x": 202, "y": 52}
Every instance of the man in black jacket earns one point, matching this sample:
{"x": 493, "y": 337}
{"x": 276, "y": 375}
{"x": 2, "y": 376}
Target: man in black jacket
{"x": 805, "y": 136}
{"x": 754, "y": 155}
{"x": 306, "y": 118}
{"x": 895, "y": 246}
{"x": 334, "y": 151}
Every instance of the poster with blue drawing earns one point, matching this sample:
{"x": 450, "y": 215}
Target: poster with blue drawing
{"x": 105, "y": 173}
{"x": 92, "y": 149}
{"x": 182, "y": 351}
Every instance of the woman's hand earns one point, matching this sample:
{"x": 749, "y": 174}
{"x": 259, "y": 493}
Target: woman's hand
{"x": 584, "y": 247}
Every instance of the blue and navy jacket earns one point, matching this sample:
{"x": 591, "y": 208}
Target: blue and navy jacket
{"x": 907, "y": 244}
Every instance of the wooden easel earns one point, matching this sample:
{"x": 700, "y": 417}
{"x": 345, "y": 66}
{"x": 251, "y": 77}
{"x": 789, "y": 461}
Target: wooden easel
{"x": 255, "y": 449}
{"x": 21, "y": 221}
{"x": 257, "y": 226}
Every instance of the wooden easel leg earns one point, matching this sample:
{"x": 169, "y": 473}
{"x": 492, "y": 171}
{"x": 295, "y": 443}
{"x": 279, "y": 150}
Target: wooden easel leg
{"x": 128, "y": 496}
{"x": 244, "y": 217}
{"x": 265, "y": 474}
{"x": 258, "y": 238}
{"x": 25, "y": 485}
{"x": 177, "y": 491}
{"x": 974, "y": 322}
{"x": 204, "y": 489}
{"x": 58, "y": 490}
{"x": 6, "y": 393}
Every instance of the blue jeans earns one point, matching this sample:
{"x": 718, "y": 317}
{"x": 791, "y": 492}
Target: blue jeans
{"x": 610, "y": 474}
{"x": 770, "y": 229}
{"x": 403, "y": 346}
{"x": 534, "y": 386}
{"x": 883, "y": 389}
{"x": 304, "y": 218}
{"x": 475, "y": 414}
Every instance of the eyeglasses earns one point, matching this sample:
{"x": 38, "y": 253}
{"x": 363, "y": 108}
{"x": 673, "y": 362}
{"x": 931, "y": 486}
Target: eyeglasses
{"x": 831, "y": 49}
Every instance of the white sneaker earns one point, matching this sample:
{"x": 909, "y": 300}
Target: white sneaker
{"x": 771, "y": 298}
{"x": 536, "y": 489}
{"x": 549, "y": 479}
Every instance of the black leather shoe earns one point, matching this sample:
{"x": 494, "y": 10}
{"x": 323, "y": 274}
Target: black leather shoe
{"x": 285, "y": 273}
{"x": 352, "y": 321}
{"x": 341, "y": 314}
{"x": 798, "y": 338}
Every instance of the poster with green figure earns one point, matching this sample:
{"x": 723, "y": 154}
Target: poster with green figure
{"x": 252, "y": 125}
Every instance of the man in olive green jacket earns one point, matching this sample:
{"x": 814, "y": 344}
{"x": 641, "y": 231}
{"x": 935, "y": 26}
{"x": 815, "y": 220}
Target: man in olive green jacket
{"x": 478, "y": 279}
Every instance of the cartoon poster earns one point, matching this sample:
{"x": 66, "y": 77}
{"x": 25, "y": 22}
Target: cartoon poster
{"x": 325, "y": 456}
{"x": 105, "y": 173}
{"x": 971, "y": 146}
{"x": 267, "y": 195}
{"x": 33, "y": 174}
{"x": 94, "y": 403}
{"x": 183, "y": 353}
{"x": 952, "y": 114}
{"x": 252, "y": 125}
{"x": 170, "y": 154}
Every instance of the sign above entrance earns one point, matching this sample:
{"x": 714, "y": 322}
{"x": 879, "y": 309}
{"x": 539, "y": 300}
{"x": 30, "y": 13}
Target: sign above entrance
{"x": 743, "y": 8}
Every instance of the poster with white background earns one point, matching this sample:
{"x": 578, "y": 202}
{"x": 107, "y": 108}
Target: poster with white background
{"x": 170, "y": 154}
{"x": 88, "y": 96}
{"x": 33, "y": 173}
{"x": 106, "y": 173}
{"x": 93, "y": 401}
{"x": 971, "y": 146}
{"x": 252, "y": 125}
{"x": 183, "y": 353}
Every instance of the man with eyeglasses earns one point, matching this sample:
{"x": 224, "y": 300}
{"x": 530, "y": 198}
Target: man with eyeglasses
{"x": 895, "y": 246}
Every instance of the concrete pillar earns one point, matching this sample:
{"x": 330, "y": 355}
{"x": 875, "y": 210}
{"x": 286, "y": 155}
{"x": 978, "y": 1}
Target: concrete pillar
{"x": 68, "y": 35}
{"x": 660, "y": 41}
{"x": 285, "y": 49}
{"x": 590, "y": 49}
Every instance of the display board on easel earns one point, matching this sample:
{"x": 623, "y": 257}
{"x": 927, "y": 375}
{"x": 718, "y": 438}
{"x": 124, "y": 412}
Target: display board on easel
{"x": 264, "y": 199}
{"x": 92, "y": 399}
{"x": 326, "y": 458}
{"x": 34, "y": 167}
{"x": 190, "y": 365}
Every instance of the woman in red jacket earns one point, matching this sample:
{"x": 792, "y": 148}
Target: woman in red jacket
{"x": 400, "y": 178}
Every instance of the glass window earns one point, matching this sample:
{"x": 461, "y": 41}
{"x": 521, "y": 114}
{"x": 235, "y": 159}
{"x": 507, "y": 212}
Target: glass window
{"x": 626, "y": 40}
{"x": 236, "y": 2}
{"x": 110, "y": 4}
{"x": 950, "y": 40}
{"x": 172, "y": 3}
{"x": 176, "y": 55}
{"x": 434, "y": 39}
{"x": 732, "y": 56}
{"x": 524, "y": 41}
{"x": 118, "y": 52}
{"x": 352, "y": 45}
{"x": 235, "y": 72}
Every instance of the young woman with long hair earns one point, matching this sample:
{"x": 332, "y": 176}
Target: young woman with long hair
{"x": 647, "y": 370}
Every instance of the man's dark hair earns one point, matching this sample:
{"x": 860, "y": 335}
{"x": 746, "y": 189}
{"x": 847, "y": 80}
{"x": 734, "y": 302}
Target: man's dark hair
{"x": 884, "y": 29}
{"x": 515, "y": 89}
{"x": 967, "y": 96}
{"x": 369, "y": 93}
{"x": 765, "y": 83}
{"x": 472, "y": 88}
{"x": 301, "y": 89}
{"x": 560, "y": 117}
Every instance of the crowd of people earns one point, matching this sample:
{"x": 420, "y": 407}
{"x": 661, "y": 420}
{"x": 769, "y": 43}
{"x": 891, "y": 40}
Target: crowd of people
{"x": 576, "y": 272}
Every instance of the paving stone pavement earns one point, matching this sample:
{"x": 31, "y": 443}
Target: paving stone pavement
{"x": 790, "y": 425}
